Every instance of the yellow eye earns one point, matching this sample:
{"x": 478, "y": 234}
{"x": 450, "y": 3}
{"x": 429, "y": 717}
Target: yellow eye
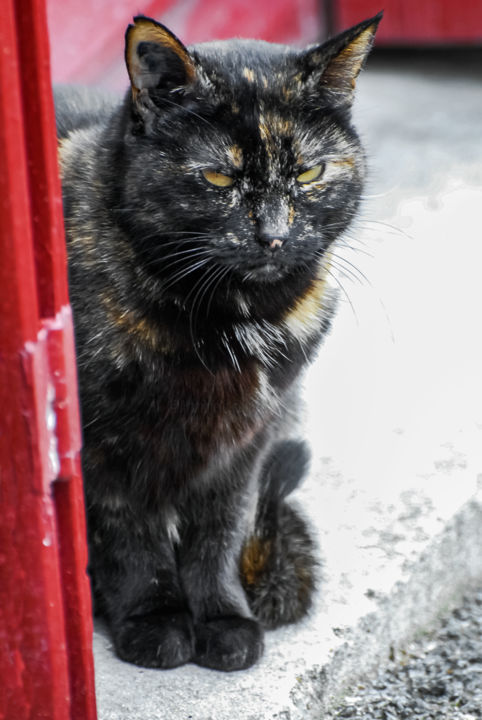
{"x": 218, "y": 179}
{"x": 310, "y": 175}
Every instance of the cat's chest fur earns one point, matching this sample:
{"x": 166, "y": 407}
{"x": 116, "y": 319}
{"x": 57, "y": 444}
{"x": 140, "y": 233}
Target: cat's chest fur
{"x": 220, "y": 389}
{"x": 179, "y": 411}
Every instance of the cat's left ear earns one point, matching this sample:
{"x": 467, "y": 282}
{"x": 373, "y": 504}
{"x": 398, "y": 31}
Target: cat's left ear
{"x": 334, "y": 66}
{"x": 155, "y": 58}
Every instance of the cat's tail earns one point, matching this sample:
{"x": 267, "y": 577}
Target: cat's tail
{"x": 278, "y": 565}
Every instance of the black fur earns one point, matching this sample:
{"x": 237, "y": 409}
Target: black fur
{"x": 198, "y": 263}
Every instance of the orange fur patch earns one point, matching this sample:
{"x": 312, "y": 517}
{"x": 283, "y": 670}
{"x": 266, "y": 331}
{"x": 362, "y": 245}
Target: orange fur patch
{"x": 291, "y": 214}
{"x": 303, "y": 318}
{"x": 254, "y": 558}
{"x": 236, "y": 156}
{"x": 248, "y": 74}
{"x": 345, "y": 162}
{"x": 133, "y": 324}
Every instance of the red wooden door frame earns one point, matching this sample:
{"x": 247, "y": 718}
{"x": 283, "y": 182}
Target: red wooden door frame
{"x": 46, "y": 668}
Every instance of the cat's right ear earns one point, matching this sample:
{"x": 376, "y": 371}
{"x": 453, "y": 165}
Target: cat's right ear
{"x": 334, "y": 66}
{"x": 155, "y": 58}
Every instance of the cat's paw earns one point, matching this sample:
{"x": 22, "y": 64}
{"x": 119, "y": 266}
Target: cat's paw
{"x": 229, "y": 643}
{"x": 156, "y": 640}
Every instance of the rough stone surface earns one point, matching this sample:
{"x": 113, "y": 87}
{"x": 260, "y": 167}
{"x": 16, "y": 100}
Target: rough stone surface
{"x": 437, "y": 676}
{"x": 394, "y": 417}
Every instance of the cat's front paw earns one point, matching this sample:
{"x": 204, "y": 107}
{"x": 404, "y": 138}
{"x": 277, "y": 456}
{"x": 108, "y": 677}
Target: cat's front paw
{"x": 156, "y": 640}
{"x": 229, "y": 643}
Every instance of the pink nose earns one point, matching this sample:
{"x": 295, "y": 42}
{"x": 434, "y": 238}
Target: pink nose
{"x": 270, "y": 240}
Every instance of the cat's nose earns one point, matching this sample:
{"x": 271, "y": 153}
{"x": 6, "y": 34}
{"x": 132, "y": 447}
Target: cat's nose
{"x": 272, "y": 242}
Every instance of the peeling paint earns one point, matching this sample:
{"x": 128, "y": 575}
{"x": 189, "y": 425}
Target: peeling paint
{"x": 51, "y": 424}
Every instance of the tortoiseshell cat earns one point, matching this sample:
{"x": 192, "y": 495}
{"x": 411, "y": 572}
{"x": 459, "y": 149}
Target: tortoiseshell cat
{"x": 200, "y": 213}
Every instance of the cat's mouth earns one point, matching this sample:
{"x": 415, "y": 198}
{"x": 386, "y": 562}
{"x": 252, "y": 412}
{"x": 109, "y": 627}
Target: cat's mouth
{"x": 267, "y": 272}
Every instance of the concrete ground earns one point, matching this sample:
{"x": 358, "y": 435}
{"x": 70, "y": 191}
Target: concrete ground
{"x": 394, "y": 417}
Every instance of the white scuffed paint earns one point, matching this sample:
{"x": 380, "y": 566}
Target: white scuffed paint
{"x": 37, "y": 351}
{"x": 51, "y": 424}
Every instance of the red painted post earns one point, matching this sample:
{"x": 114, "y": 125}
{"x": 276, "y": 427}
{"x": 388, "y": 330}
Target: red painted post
{"x": 46, "y": 669}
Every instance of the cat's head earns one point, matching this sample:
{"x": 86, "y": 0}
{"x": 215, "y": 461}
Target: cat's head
{"x": 241, "y": 154}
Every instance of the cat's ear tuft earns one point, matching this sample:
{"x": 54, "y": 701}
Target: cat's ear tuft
{"x": 155, "y": 58}
{"x": 336, "y": 64}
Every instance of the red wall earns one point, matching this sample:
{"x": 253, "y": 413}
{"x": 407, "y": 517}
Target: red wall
{"x": 87, "y": 36}
{"x": 416, "y": 22}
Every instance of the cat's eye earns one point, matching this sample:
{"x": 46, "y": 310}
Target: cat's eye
{"x": 310, "y": 175}
{"x": 218, "y": 179}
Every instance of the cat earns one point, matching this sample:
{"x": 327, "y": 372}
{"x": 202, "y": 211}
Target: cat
{"x": 199, "y": 213}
